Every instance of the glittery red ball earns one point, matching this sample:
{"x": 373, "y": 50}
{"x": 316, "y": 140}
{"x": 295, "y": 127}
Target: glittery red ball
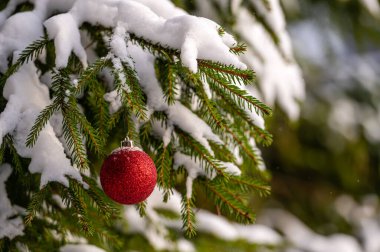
{"x": 128, "y": 175}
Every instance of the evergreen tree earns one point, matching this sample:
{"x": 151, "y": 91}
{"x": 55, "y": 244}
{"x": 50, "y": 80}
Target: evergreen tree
{"x": 79, "y": 76}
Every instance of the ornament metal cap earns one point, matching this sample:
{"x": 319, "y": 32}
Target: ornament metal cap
{"x": 126, "y": 142}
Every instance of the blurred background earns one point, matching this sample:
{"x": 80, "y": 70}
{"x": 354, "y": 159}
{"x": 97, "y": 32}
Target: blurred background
{"x": 333, "y": 149}
{"x": 325, "y": 164}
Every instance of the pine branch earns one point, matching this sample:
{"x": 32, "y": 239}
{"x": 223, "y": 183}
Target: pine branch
{"x": 241, "y": 97}
{"x": 99, "y": 108}
{"x": 227, "y": 104}
{"x": 216, "y": 121}
{"x": 154, "y": 48}
{"x": 72, "y": 118}
{"x": 61, "y": 83}
{"x": 136, "y": 95}
{"x": 115, "y": 118}
{"x": 104, "y": 206}
{"x": 166, "y": 74}
{"x": 248, "y": 184}
{"x": 188, "y": 217}
{"x": 36, "y": 203}
{"x": 228, "y": 202}
{"x": 16, "y": 160}
{"x": 239, "y": 49}
{"x": 93, "y": 139}
{"x": 91, "y": 72}
{"x": 73, "y": 138}
{"x": 40, "y": 123}
{"x": 196, "y": 149}
{"x": 141, "y": 207}
{"x": 132, "y": 99}
{"x": 164, "y": 165}
{"x": 79, "y": 206}
{"x": 222, "y": 124}
{"x": 2, "y": 150}
{"x": 28, "y": 54}
{"x": 230, "y": 73}
{"x": 124, "y": 119}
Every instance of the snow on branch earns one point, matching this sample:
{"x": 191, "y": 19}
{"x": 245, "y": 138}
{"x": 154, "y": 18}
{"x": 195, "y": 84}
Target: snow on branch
{"x": 103, "y": 63}
{"x": 195, "y": 37}
{"x": 10, "y": 226}
{"x": 27, "y": 97}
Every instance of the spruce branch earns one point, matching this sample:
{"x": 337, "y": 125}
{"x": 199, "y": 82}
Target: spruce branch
{"x": 228, "y": 202}
{"x": 91, "y": 72}
{"x": 104, "y": 206}
{"x": 215, "y": 120}
{"x": 40, "y": 123}
{"x": 136, "y": 94}
{"x": 241, "y": 97}
{"x": 223, "y": 125}
{"x": 74, "y": 139}
{"x": 3, "y": 147}
{"x": 188, "y": 217}
{"x": 249, "y": 184}
{"x": 163, "y": 161}
{"x": 76, "y": 201}
{"x": 166, "y": 74}
{"x": 227, "y": 104}
{"x": 132, "y": 98}
{"x": 239, "y": 49}
{"x": 36, "y": 203}
{"x": 189, "y": 144}
{"x": 99, "y": 107}
{"x": 226, "y": 72}
{"x": 16, "y": 160}
{"x": 141, "y": 208}
{"x": 28, "y": 54}
{"x": 115, "y": 118}
{"x": 93, "y": 139}
{"x": 154, "y": 48}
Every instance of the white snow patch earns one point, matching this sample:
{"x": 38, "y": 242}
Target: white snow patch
{"x": 119, "y": 46}
{"x": 80, "y": 248}
{"x": 193, "y": 168}
{"x": 178, "y": 114}
{"x": 196, "y": 37}
{"x": 114, "y": 100}
{"x": 18, "y": 31}
{"x": 280, "y": 79}
{"x": 10, "y": 226}
{"x": 223, "y": 229}
{"x": 26, "y": 98}
{"x": 231, "y": 168}
{"x": 154, "y": 226}
{"x": 192, "y": 124}
{"x": 163, "y": 132}
{"x": 343, "y": 119}
{"x": 63, "y": 28}
{"x": 304, "y": 238}
{"x": 373, "y": 7}
{"x": 163, "y": 8}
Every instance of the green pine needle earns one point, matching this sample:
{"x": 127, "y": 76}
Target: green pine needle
{"x": 188, "y": 217}
{"x": 28, "y": 54}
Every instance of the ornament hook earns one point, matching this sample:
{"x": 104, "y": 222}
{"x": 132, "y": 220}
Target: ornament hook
{"x": 126, "y": 142}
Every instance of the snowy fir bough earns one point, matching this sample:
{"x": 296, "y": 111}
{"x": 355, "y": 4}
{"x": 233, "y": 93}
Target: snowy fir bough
{"x": 78, "y": 76}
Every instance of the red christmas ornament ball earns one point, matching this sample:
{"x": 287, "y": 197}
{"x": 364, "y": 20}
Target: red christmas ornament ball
{"x": 128, "y": 175}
